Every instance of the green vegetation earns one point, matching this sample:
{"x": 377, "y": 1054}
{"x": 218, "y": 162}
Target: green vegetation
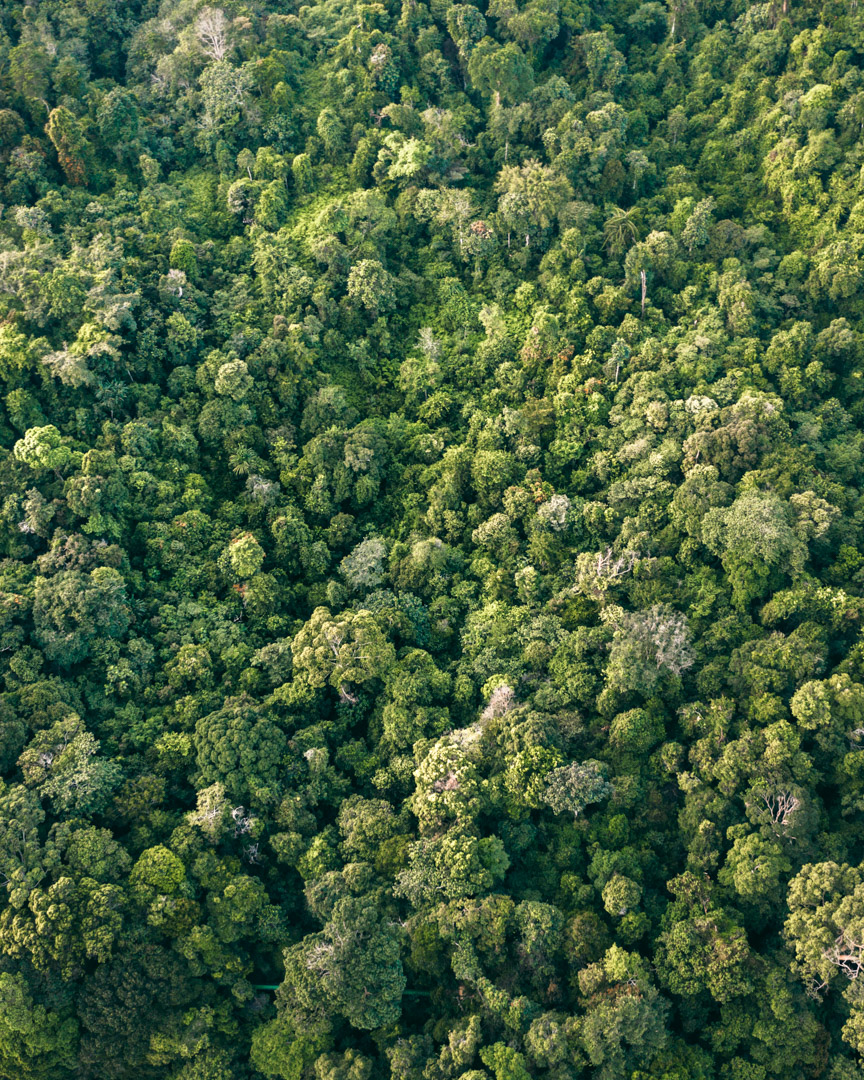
{"x": 431, "y": 520}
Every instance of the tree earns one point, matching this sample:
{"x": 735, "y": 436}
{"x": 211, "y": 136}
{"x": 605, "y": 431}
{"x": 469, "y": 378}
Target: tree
{"x": 44, "y": 448}
{"x": 211, "y": 29}
{"x": 701, "y": 491}
{"x": 621, "y": 895}
{"x": 418, "y": 376}
{"x": 534, "y": 25}
{"x": 466, "y": 26}
{"x": 62, "y": 764}
{"x": 363, "y": 568}
{"x": 606, "y": 66}
{"x": 239, "y": 747}
{"x": 29, "y": 65}
{"x": 625, "y": 1026}
{"x": 288, "y": 1047}
{"x": 705, "y": 953}
{"x": 645, "y": 645}
{"x": 679, "y": 12}
{"x": 225, "y": 99}
{"x": 696, "y": 231}
{"x": 73, "y": 150}
{"x": 572, "y": 788}
{"x": 452, "y": 867}
{"x": 371, "y": 286}
{"x": 636, "y": 731}
{"x": 505, "y": 1062}
{"x": 304, "y": 178}
{"x": 824, "y": 927}
{"x": 755, "y": 868}
{"x": 537, "y": 188}
{"x": 340, "y": 651}
{"x": 501, "y": 71}
{"x": 65, "y": 924}
{"x": 365, "y": 824}
{"x": 73, "y": 612}
{"x": 620, "y": 230}
{"x": 125, "y": 1002}
{"x": 332, "y": 132}
{"x": 242, "y": 199}
{"x": 448, "y": 783}
{"x": 243, "y": 557}
{"x": 118, "y": 120}
{"x": 756, "y": 543}
{"x": 34, "y": 1041}
{"x": 353, "y": 966}
{"x": 455, "y": 209}
{"x": 24, "y": 860}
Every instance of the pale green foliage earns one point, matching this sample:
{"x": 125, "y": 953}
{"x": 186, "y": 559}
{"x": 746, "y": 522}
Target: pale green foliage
{"x": 243, "y": 557}
{"x": 364, "y": 569}
{"x": 532, "y": 195}
{"x": 621, "y": 894}
{"x": 646, "y": 645}
{"x": 371, "y": 286}
{"x": 825, "y": 926}
{"x": 340, "y": 651}
{"x": 233, "y": 380}
{"x": 64, "y": 765}
{"x": 572, "y": 788}
{"x": 44, "y": 448}
{"x": 452, "y": 867}
{"x": 448, "y": 783}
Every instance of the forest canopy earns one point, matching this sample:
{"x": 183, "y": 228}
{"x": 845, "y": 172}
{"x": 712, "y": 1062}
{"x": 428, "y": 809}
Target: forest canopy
{"x": 431, "y": 512}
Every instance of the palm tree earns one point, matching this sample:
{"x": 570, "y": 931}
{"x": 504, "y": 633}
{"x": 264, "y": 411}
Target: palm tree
{"x": 620, "y": 229}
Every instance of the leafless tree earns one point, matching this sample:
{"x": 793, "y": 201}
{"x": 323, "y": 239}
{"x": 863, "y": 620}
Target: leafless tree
{"x": 242, "y": 822}
{"x": 212, "y": 30}
{"x": 781, "y": 806}
{"x": 609, "y": 566}
{"x": 346, "y": 696}
{"x": 595, "y": 573}
{"x": 430, "y": 346}
{"x": 501, "y": 701}
{"x": 847, "y": 953}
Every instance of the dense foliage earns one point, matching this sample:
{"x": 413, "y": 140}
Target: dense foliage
{"x": 431, "y": 517}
